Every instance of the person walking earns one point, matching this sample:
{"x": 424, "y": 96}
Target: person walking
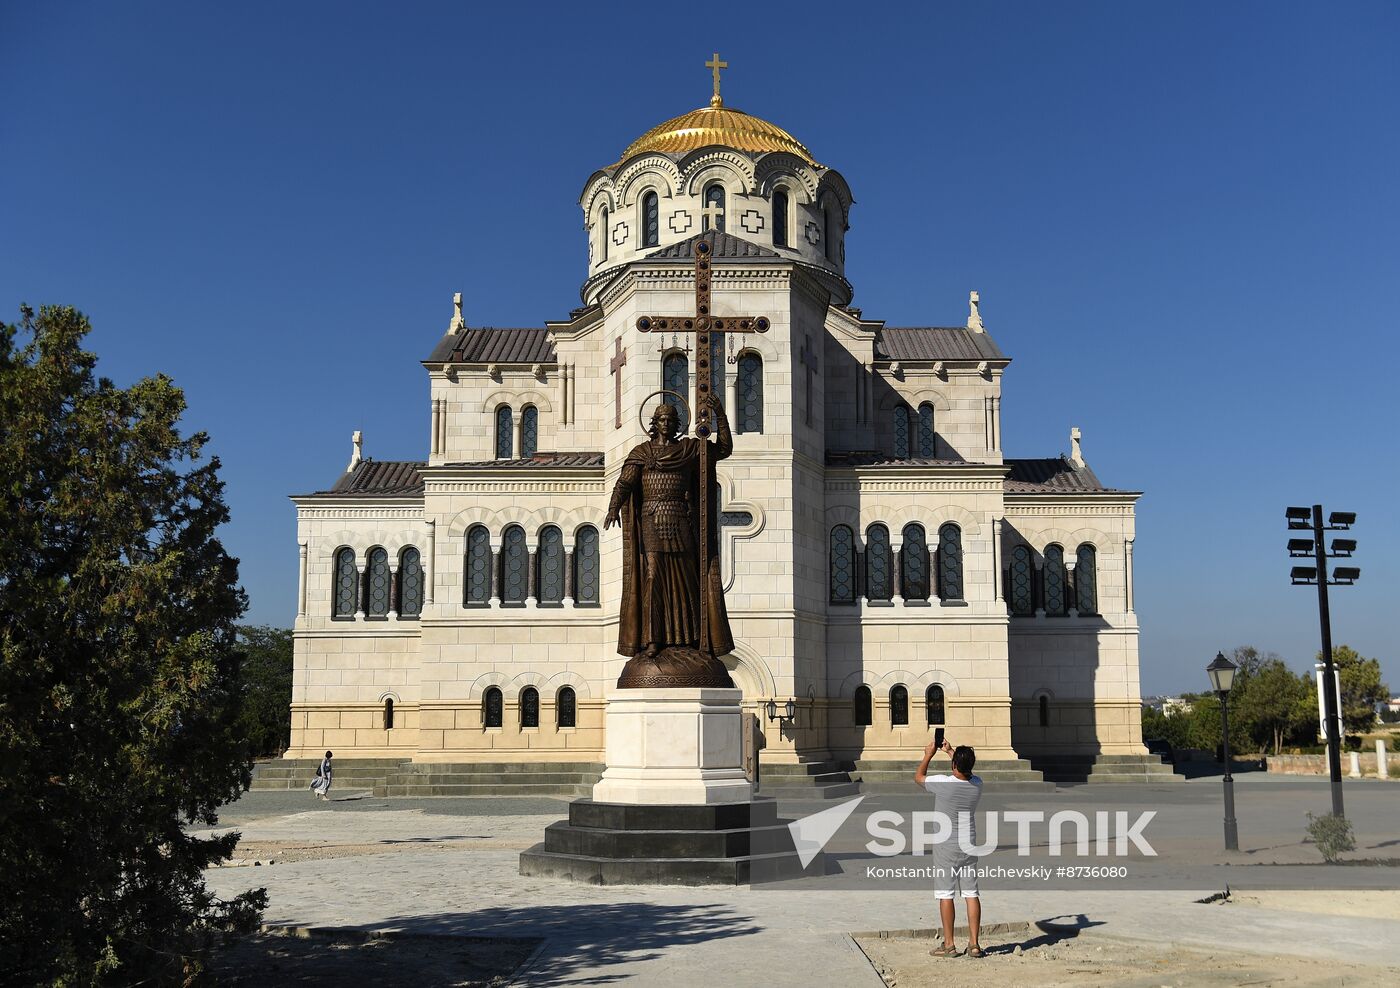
{"x": 956, "y": 795}
{"x": 321, "y": 785}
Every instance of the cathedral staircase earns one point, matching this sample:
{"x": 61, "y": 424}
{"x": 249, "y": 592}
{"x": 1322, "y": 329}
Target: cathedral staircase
{"x": 347, "y": 773}
{"x": 1079, "y": 770}
{"x": 814, "y": 780}
{"x": 1011, "y": 775}
{"x": 402, "y": 777}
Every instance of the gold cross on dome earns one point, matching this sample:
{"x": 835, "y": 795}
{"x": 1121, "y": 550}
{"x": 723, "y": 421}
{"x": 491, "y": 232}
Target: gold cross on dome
{"x": 714, "y": 65}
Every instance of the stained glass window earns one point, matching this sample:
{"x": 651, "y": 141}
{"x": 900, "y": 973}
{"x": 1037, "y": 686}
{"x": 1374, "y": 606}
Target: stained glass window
{"x": 550, "y": 560}
{"x": 933, "y": 702}
{"x": 379, "y": 585}
{"x": 749, "y": 393}
{"x": 950, "y": 563}
{"x": 1086, "y": 581}
{"x": 675, "y": 376}
{"x": 927, "y": 445}
{"x": 1021, "y": 590}
{"x": 1056, "y": 602}
{"x": 566, "y": 707}
{"x": 843, "y": 565}
{"x": 586, "y": 565}
{"x": 863, "y": 714}
{"x": 529, "y": 707}
{"x": 901, "y": 432}
{"x": 913, "y": 564}
{"x": 899, "y": 705}
{"x": 529, "y": 431}
{"x": 505, "y": 442}
{"x": 493, "y": 707}
{"x": 515, "y": 569}
{"x": 879, "y": 572}
{"x": 780, "y": 218}
{"x": 347, "y": 584}
{"x": 478, "y": 565}
{"x": 651, "y": 221}
{"x": 410, "y": 583}
{"x": 714, "y": 196}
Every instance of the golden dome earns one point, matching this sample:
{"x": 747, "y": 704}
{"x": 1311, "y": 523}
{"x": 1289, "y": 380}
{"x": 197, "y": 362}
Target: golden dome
{"x": 717, "y": 124}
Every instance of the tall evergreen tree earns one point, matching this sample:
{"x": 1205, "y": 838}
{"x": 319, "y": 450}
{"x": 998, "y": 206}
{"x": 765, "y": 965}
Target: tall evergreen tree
{"x": 119, "y": 679}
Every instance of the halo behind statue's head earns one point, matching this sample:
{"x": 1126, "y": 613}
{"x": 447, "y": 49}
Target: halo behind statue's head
{"x": 645, "y": 422}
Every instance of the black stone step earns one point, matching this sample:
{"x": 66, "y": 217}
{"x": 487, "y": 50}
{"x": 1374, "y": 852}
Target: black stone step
{"x": 564, "y": 838}
{"x": 594, "y": 870}
{"x": 638, "y": 816}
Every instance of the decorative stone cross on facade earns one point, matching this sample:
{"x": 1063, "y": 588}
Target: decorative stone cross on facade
{"x": 712, "y": 216}
{"x": 811, "y": 361}
{"x": 714, "y": 65}
{"x": 618, "y": 362}
{"x": 702, "y": 324}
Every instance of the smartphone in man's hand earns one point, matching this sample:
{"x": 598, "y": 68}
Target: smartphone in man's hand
{"x": 938, "y": 739}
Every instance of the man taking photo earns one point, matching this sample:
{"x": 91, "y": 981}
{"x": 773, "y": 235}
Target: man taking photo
{"x": 956, "y": 795}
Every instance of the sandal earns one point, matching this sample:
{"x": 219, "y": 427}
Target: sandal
{"x": 975, "y": 951}
{"x": 945, "y": 951}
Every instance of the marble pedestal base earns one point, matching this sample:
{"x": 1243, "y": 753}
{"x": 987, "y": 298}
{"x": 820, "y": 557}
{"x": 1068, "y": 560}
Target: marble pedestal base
{"x": 674, "y": 747}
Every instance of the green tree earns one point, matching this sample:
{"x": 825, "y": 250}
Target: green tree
{"x": 266, "y": 718}
{"x": 1268, "y": 702}
{"x": 1362, "y": 688}
{"x": 119, "y": 677}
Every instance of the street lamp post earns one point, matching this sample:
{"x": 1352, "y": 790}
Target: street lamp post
{"x": 1303, "y": 519}
{"x": 1222, "y": 677}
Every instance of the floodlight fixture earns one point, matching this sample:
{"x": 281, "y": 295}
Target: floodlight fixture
{"x": 1300, "y": 547}
{"x": 1345, "y": 575}
{"x": 1342, "y": 547}
{"x": 1341, "y": 519}
{"x": 1299, "y": 518}
{"x": 1303, "y": 574}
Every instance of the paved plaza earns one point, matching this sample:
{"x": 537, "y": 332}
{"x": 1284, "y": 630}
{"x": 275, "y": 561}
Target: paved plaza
{"x": 450, "y": 866}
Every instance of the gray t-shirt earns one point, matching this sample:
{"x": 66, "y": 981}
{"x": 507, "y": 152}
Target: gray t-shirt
{"x": 958, "y": 798}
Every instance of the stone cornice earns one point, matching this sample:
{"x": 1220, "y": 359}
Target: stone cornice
{"x": 1072, "y": 502}
{"x": 358, "y": 506}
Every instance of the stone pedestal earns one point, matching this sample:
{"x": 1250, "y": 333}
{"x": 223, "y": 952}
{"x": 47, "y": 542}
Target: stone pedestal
{"x": 674, "y": 747}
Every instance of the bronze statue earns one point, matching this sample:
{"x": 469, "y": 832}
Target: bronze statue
{"x": 671, "y": 626}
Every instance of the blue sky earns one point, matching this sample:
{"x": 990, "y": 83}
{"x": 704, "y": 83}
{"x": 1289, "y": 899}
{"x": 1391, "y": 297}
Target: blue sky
{"x": 1181, "y": 217}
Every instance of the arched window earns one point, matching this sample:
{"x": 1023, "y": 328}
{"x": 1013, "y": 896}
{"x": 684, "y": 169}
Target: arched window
{"x": 603, "y": 234}
{"x": 864, "y": 715}
{"x": 529, "y": 707}
{"x": 566, "y": 708}
{"x": 410, "y": 583}
{"x": 899, "y": 705}
{"x": 714, "y": 207}
{"x": 514, "y": 566}
{"x": 388, "y": 713}
{"x": 831, "y": 217}
{"x": 586, "y": 565}
{"x": 843, "y": 565}
{"x": 950, "y": 563}
{"x": 529, "y": 431}
{"x": 1044, "y": 710}
{"x": 675, "y": 376}
{"x": 379, "y": 584}
{"x": 780, "y": 218}
{"x": 505, "y": 439}
{"x": 901, "y": 432}
{"x": 478, "y": 565}
{"x": 928, "y": 447}
{"x": 1086, "y": 581}
{"x": 549, "y": 561}
{"x": 651, "y": 220}
{"x": 749, "y": 394}
{"x": 933, "y": 704}
{"x": 878, "y": 569}
{"x": 913, "y": 564}
{"x": 347, "y": 584}
{"x": 1056, "y": 600}
{"x": 492, "y": 707}
{"x": 1020, "y": 591}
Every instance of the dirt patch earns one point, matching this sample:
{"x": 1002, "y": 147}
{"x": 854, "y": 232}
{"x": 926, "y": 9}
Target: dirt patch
{"x": 266, "y": 852}
{"x": 1364, "y": 903}
{"x": 264, "y": 959}
{"x": 1091, "y": 959}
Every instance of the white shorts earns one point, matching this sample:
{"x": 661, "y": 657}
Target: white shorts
{"x": 963, "y": 882}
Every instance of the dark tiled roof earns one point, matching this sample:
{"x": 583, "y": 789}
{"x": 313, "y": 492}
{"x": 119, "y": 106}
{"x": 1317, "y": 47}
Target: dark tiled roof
{"x": 721, "y": 245}
{"x": 935, "y": 343}
{"x": 538, "y": 460}
{"x": 488, "y": 345}
{"x": 872, "y": 458}
{"x": 1054, "y": 475}
{"x": 380, "y": 478}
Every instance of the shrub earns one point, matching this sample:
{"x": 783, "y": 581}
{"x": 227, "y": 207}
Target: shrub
{"x": 1332, "y": 835}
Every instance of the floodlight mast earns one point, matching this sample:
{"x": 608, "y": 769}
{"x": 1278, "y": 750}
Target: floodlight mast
{"x": 1329, "y": 682}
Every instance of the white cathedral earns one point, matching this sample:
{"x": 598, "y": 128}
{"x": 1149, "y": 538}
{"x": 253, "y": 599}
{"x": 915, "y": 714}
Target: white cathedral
{"x": 886, "y": 568}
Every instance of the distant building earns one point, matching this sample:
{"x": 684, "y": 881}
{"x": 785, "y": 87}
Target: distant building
{"x": 1176, "y": 705}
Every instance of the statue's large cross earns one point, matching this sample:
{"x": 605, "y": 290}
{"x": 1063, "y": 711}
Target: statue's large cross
{"x": 703, "y": 324}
